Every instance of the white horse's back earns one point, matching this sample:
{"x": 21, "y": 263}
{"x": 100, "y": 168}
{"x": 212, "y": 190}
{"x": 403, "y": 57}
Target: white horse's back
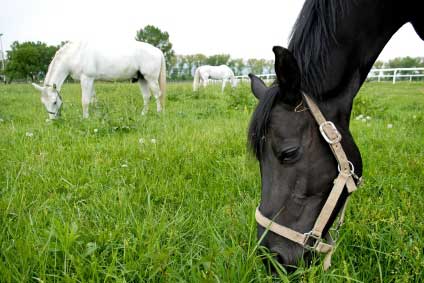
{"x": 206, "y": 72}
{"x": 218, "y": 72}
{"x": 113, "y": 61}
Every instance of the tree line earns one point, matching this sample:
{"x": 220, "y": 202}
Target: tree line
{"x": 400, "y": 62}
{"x": 30, "y": 60}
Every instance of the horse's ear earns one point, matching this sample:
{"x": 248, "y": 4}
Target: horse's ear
{"x": 418, "y": 25}
{"x": 258, "y": 86}
{"x": 288, "y": 74}
{"x": 37, "y": 87}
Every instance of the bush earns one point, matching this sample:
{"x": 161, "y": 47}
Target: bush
{"x": 240, "y": 98}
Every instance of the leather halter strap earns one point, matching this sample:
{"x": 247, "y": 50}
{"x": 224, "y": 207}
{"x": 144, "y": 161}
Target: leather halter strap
{"x": 345, "y": 178}
{"x": 58, "y": 94}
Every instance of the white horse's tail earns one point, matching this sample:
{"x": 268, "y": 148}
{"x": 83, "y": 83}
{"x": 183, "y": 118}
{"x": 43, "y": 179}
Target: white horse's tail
{"x": 196, "y": 79}
{"x": 162, "y": 82}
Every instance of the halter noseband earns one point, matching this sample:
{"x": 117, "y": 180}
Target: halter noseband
{"x": 313, "y": 240}
{"x": 58, "y": 94}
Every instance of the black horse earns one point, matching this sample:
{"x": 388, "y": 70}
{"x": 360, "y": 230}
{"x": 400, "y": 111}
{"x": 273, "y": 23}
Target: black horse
{"x": 332, "y": 48}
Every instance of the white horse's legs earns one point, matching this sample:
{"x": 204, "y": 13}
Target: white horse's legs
{"x": 93, "y": 100}
{"x": 87, "y": 94}
{"x": 204, "y": 81}
{"x": 224, "y": 82}
{"x": 146, "y": 95}
{"x": 154, "y": 86}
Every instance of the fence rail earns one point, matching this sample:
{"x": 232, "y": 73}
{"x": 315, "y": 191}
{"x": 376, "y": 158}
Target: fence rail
{"x": 265, "y": 77}
{"x": 394, "y": 74}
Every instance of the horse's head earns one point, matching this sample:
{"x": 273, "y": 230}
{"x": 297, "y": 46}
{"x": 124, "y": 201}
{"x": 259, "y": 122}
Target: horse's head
{"x": 297, "y": 164}
{"x": 51, "y": 99}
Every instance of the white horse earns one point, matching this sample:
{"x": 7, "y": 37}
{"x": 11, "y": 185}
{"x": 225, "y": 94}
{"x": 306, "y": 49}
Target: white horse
{"x": 89, "y": 61}
{"x": 222, "y": 72}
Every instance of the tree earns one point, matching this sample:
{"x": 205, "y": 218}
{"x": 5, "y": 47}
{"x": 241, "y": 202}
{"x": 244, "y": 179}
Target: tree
{"x": 159, "y": 39}
{"x": 269, "y": 67}
{"x": 194, "y": 61}
{"x": 29, "y": 60}
{"x": 405, "y": 62}
{"x": 378, "y": 64}
{"x": 257, "y": 65}
{"x": 218, "y": 59}
{"x": 237, "y": 65}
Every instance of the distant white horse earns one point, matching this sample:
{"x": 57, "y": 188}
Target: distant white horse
{"x": 222, "y": 72}
{"x": 89, "y": 61}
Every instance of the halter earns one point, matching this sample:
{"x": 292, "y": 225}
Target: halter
{"x": 58, "y": 94}
{"x": 313, "y": 240}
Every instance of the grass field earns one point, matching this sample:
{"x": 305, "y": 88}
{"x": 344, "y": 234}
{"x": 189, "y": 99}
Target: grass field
{"x": 170, "y": 198}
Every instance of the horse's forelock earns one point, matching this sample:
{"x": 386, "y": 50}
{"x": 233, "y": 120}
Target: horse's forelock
{"x": 259, "y": 123}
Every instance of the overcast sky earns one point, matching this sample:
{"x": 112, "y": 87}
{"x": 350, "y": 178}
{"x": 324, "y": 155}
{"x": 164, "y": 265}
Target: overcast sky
{"x": 243, "y": 29}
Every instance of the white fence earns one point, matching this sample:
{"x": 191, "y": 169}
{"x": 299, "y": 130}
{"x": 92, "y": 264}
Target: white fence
{"x": 268, "y": 78}
{"x": 394, "y": 74}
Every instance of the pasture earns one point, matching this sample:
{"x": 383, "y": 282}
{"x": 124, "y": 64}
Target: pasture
{"x": 171, "y": 198}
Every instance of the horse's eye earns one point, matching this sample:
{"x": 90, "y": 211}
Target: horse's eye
{"x": 289, "y": 154}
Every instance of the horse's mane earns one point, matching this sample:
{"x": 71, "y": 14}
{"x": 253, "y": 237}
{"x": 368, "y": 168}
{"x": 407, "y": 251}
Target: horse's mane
{"x": 59, "y": 53}
{"x": 312, "y": 37}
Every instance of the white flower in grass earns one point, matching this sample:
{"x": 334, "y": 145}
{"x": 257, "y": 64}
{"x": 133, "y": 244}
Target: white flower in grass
{"x": 95, "y": 130}
{"x": 359, "y": 117}
{"x": 124, "y": 165}
{"x": 29, "y": 134}
{"x": 389, "y": 126}
{"x": 153, "y": 141}
{"x": 364, "y": 120}
{"x": 368, "y": 118}
{"x": 141, "y": 141}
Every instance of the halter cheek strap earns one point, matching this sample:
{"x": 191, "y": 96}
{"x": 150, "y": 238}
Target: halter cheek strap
{"x": 313, "y": 240}
{"x": 58, "y": 94}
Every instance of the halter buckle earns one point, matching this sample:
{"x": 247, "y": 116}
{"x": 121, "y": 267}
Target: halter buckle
{"x": 308, "y": 236}
{"x": 328, "y": 129}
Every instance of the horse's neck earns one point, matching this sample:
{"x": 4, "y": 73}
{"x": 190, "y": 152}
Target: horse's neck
{"x": 57, "y": 73}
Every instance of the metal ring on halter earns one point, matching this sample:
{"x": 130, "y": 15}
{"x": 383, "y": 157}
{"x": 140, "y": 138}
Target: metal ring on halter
{"x": 338, "y": 137}
{"x": 352, "y": 173}
{"x": 308, "y": 236}
{"x": 352, "y": 169}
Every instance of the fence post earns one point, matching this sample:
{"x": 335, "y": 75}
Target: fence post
{"x": 394, "y": 76}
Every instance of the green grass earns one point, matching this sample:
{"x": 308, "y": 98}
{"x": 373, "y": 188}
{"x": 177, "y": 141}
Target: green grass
{"x": 96, "y": 200}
